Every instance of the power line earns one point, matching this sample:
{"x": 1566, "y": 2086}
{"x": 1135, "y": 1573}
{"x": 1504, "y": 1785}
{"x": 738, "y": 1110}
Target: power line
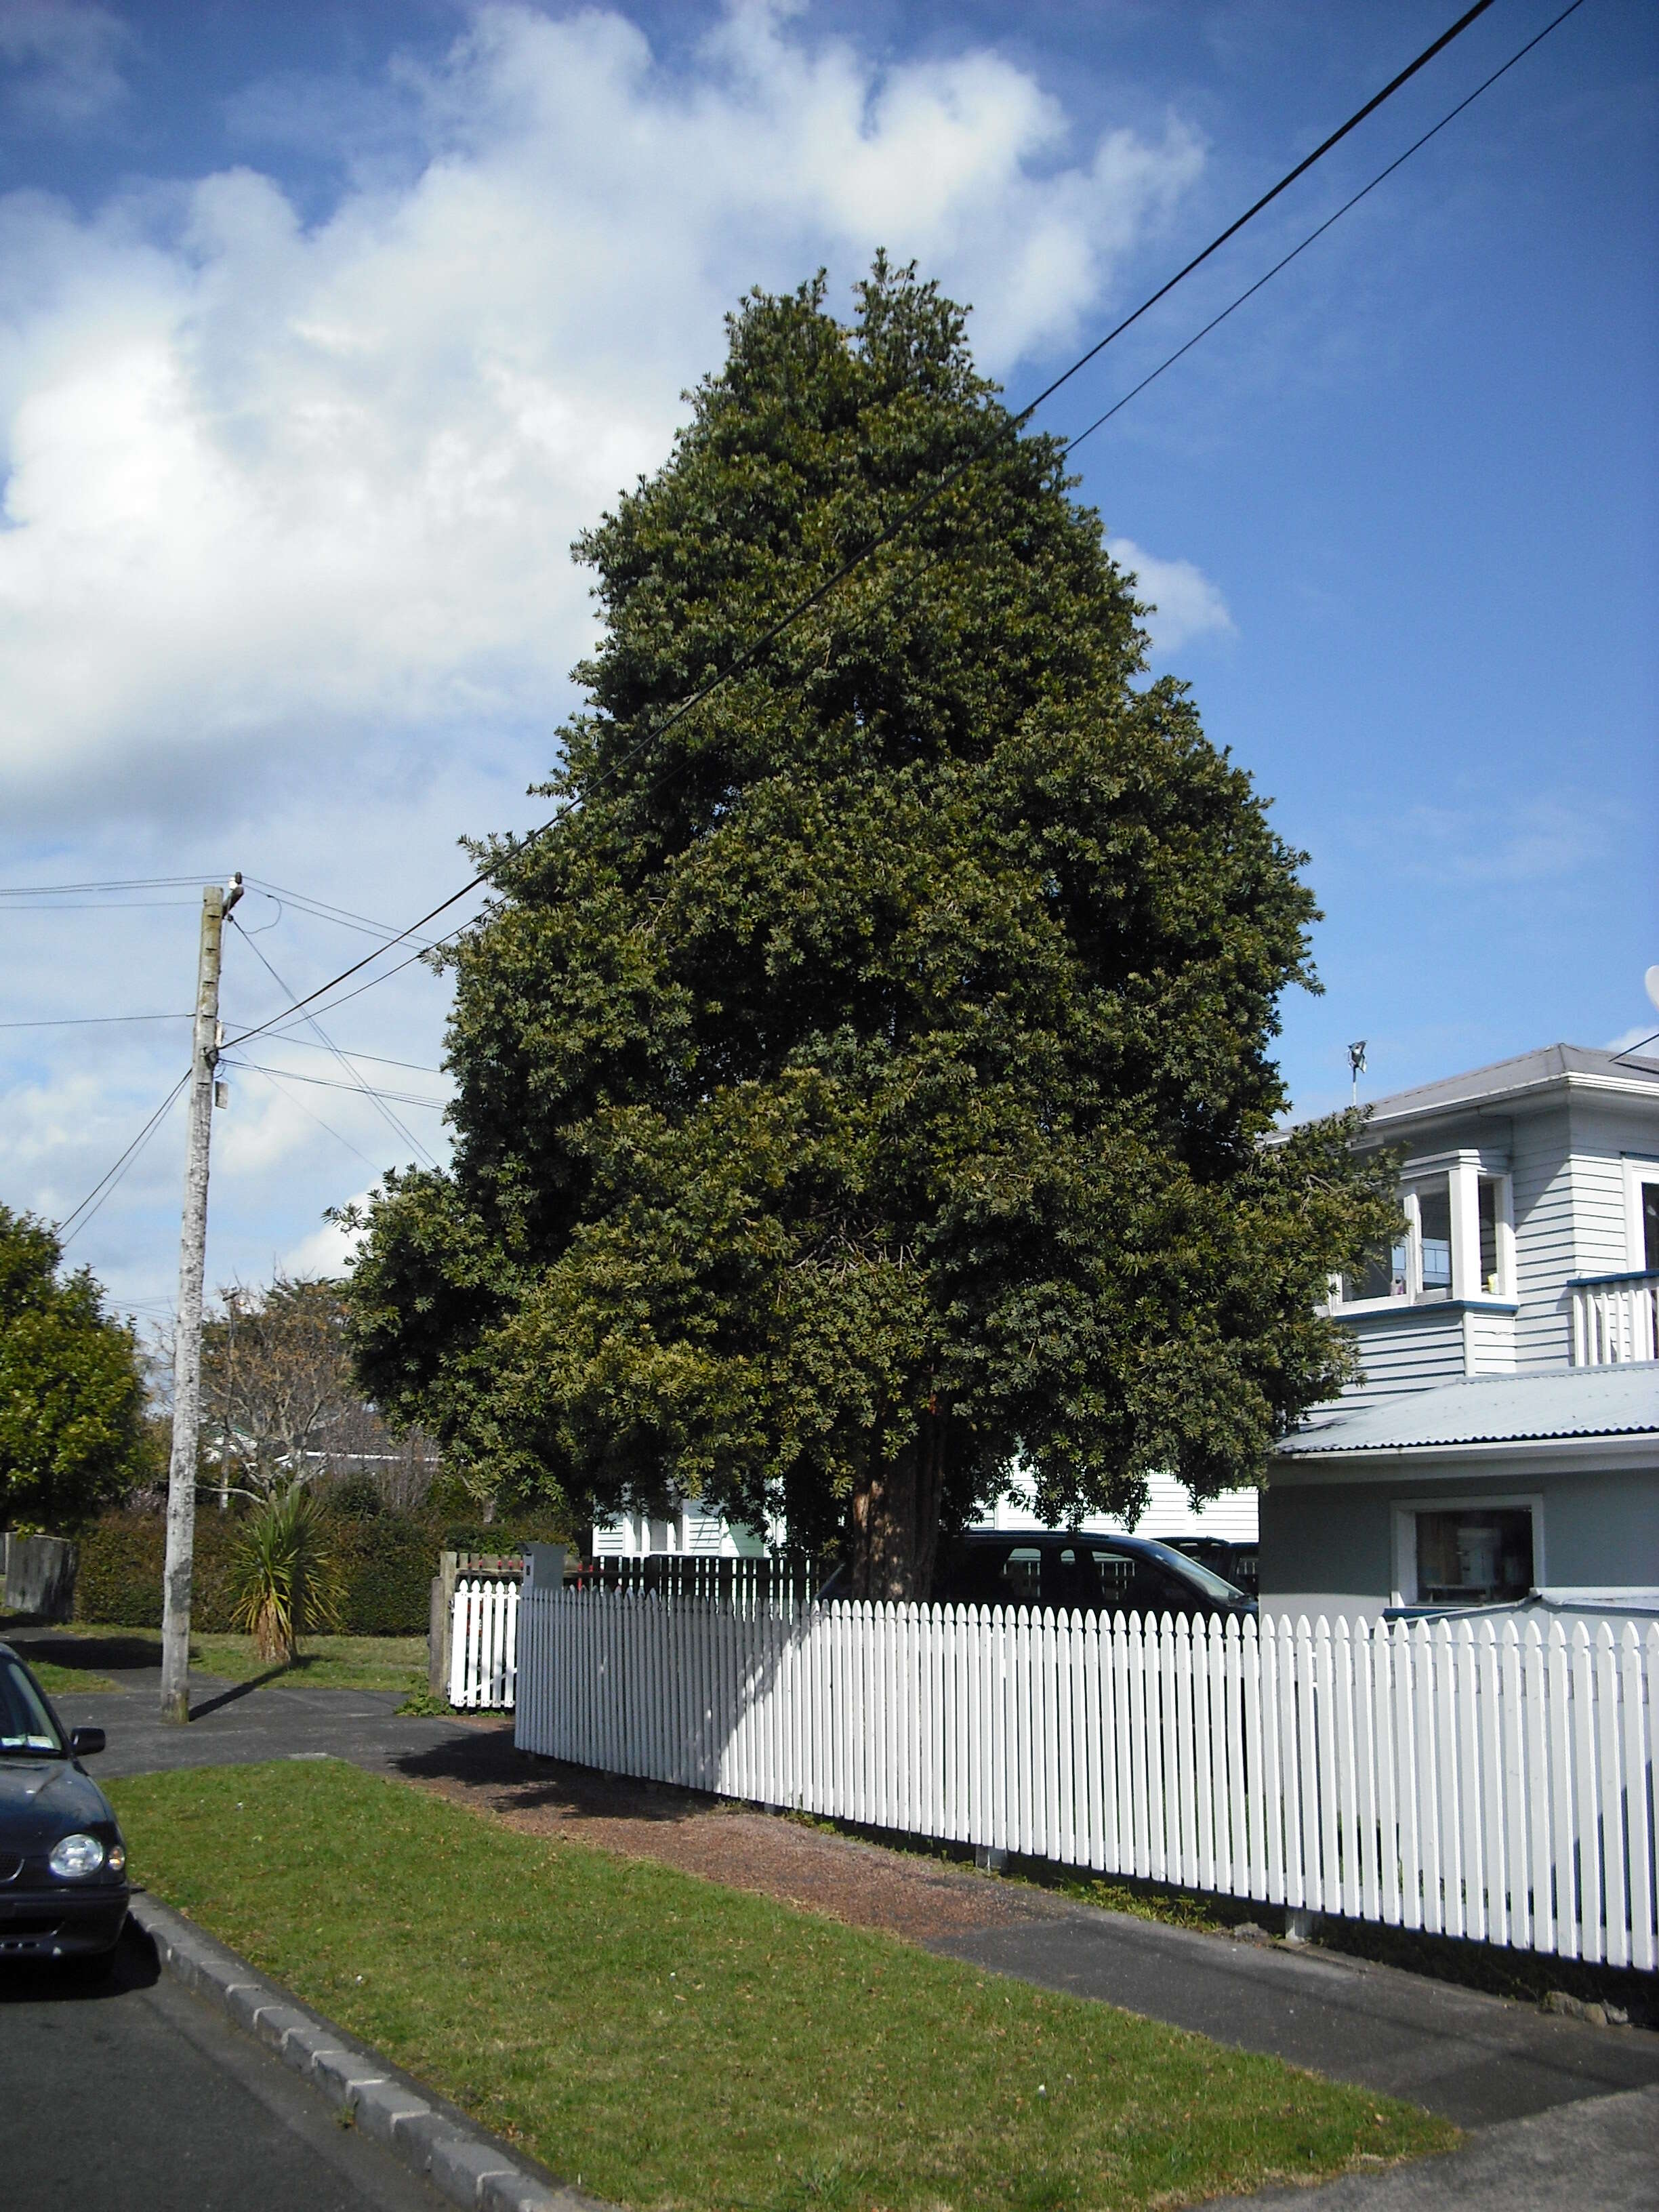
{"x": 322, "y": 910}
{"x": 1416, "y": 147}
{"x": 329, "y": 1083}
{"x": 357, "y": 1082}
{"x": 1006, "y": 426}
{"x": 90, "y": 906}
{"x": 270, "y": 1077}
{"x": 110, "y": 883}
{"x": 101, "y": 1189}
{"x": 375, "y": 1058}
{"x": 93, "y": 1021}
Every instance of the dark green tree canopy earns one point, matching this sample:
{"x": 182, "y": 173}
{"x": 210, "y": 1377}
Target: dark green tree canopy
{"x": 72, "y": 1433}
{"x": 865, "y": 1087}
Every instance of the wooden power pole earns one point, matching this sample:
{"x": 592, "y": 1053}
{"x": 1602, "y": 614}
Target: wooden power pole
{"x": 187, "y": 1341}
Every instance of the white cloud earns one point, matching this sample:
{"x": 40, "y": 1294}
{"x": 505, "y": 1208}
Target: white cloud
{"x": 1525, "y": 841}
{"x": 61, "y": 58}
{"x": 329, "y": 1250}
{"x": 286, "y": 504}
{"x": 1184, "y": 603}
{"x": 282, "y": 496}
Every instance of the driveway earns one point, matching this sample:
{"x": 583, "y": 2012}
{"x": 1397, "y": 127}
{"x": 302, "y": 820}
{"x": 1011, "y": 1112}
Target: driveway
{"x": 231, "y": 1722}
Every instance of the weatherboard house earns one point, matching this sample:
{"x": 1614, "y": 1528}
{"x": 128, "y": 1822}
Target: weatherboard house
{"x": 1501, "y": 1448}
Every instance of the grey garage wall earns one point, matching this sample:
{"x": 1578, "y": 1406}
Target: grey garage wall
{"x": 1333, "y": 1543}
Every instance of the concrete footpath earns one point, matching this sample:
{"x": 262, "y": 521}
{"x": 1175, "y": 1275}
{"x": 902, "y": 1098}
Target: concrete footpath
{"x": 1558, "y": 2109}
{"x": 1477, "y": 2060}
{"x": 1558, "y": 2113}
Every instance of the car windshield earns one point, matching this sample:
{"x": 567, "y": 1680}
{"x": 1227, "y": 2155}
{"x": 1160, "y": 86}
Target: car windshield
{"x": 27, "y": 1727}
{"x": 1211, "y": 1585}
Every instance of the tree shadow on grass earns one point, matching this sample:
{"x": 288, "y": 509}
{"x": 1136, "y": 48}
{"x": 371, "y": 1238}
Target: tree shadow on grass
{"x": 89, "y": 1655}
{"x": 484, "y": 1757}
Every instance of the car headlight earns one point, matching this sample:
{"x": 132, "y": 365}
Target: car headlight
{"x": 76, "y": 1855}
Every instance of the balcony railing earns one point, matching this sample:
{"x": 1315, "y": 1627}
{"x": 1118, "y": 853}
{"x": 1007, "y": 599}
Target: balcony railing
{"x": 1614, "y": 1318}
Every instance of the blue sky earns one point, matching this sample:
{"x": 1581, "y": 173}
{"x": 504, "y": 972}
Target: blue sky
{"x": 323, "y": 329}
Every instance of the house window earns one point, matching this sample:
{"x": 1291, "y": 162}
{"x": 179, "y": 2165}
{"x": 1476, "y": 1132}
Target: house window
{"x": 1435, "y": 1236}
{"x": 1458, "y": 1244}
{"x": 1649, "y": 1195}
{"x": 1383, "y": 1273}
{"x": 1473, "y": 1555}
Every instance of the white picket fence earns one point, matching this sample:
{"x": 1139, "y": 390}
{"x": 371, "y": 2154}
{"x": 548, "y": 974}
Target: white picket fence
{"x": 1498, "y": 1786}
{"x": 483, "y": 1643}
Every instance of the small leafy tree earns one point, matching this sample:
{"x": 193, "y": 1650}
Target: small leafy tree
{"x": 280, "y": 1401}
{"x": 286, "y": 1579}
{"x": 867, "y": 1088}
{"x": 73, "y": 1437}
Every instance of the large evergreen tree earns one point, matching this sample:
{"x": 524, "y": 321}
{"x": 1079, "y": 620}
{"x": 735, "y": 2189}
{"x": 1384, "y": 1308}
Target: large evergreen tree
{"x": 866, "y": 1086}
{"x": 72, "y": 1432}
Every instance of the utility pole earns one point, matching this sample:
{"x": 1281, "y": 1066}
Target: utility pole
{"x": 187, "y": 1341}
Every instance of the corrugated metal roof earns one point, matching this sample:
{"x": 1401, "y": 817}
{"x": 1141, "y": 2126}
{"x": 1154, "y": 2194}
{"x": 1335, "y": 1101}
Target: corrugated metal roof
{"x": 1504, "y": 1077}
{"x": 1492, "y": 1409}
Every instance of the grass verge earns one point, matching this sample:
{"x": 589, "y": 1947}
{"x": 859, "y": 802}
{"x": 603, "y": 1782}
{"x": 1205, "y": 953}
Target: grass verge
{"x": 674, "y": 2043}
{"x": 67, "y": 1681}
{"x": 326, "y": 1662}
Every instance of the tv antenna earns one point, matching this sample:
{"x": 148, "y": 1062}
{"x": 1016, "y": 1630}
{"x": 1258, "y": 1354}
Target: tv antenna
{"x": 1356, "y": 1066}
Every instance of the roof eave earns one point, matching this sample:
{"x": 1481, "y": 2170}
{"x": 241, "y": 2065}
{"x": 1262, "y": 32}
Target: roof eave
{"x": 1608, "y": 1451}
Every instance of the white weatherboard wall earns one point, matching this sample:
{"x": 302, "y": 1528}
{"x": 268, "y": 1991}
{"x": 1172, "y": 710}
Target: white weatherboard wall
{"x": 1498, "y": 1787}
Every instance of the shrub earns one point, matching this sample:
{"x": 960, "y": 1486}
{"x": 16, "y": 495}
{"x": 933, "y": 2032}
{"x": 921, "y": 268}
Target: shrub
{"x": 287, "y": 1578}
{"x": 118, "y": 1574}
{"x": 386, "y": 1564}
{"x": 506, "y": 1537}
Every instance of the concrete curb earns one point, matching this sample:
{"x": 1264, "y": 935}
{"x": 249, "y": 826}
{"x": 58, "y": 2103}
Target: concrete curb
{"x": 468, "y": 2167}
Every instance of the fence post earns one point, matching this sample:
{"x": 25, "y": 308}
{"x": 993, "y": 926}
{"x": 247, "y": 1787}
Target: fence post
{"x": 440, "y": 1624}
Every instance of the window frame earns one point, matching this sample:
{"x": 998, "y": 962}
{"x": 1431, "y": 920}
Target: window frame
{"x": 1640, "y": 1169}
{"x": 1405, "y": 1513}
{"x": 1464, "y": 1173}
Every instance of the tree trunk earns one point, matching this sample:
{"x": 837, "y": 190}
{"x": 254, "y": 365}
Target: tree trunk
{"x": 893, "y": 1523}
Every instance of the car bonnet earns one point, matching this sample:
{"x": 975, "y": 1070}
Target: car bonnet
{"x": 41, "y": 1799}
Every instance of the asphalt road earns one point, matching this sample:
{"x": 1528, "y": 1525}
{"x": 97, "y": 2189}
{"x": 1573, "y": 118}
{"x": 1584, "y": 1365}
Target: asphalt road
{"x": 135, "y": 2096}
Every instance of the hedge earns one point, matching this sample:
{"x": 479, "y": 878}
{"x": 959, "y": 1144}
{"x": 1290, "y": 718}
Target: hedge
{"x": 387, "y": 1562}
{"x": 118, "y": 1575}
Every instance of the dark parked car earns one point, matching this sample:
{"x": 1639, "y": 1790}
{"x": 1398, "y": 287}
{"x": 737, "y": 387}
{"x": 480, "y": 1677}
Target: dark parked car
{"x": 1237, "y": 1563}
{"x": 1062, "y": 1569}
{"x": 63, "y": 1863}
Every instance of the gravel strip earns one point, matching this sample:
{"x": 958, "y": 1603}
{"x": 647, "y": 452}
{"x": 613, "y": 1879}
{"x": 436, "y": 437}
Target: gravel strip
{"x": 776, "y": 1855}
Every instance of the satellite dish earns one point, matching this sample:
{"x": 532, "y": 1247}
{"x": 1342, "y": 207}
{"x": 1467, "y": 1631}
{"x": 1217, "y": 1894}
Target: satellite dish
{"x": 1652, "y": 978}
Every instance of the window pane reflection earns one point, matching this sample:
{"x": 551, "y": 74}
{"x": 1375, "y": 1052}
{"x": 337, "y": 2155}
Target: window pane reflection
{"x": 1434, "y": 1216}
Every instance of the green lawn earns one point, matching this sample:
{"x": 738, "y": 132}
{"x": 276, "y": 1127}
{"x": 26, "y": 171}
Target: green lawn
{"x": 328, "y": 1662}
{"x": 675, "y": 2044}
{"x": 67, "y": 1681}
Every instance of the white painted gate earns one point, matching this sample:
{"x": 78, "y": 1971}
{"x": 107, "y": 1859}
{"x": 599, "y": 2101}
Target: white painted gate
{"x": 1443, "y": 1777}
{"x": 484, "y": 1645}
